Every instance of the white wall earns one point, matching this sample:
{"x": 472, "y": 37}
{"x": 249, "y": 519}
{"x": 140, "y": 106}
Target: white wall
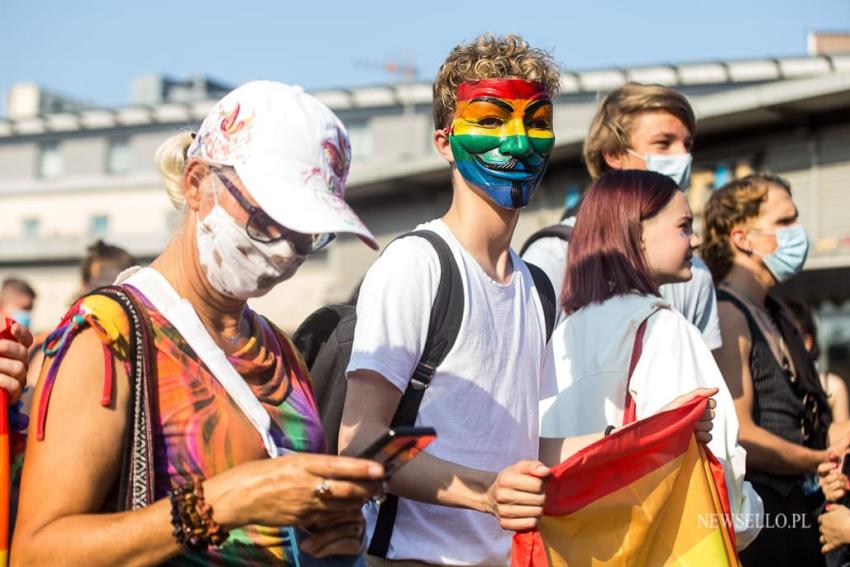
{"x": 142, "y": 211}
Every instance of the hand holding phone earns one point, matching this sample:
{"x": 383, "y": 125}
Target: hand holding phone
{"x": 845, "y": 464}
{"x": 398, "y": 446}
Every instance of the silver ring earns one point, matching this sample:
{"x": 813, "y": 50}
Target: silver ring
{"x": 323, "y": 489}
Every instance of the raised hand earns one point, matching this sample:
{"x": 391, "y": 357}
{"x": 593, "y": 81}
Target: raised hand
{"x": 704, "y": 425}
{"x": 14, "y": 359}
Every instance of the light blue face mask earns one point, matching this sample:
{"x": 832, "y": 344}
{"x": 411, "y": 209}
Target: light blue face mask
{"x": 675, "y": 166}
{"x": 22, "y": 317}
{"x": 792, "y": 248}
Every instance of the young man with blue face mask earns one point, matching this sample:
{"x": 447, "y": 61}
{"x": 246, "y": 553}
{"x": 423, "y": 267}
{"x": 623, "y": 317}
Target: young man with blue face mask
{"x": 648, "y": 127}
{"x": 753, "y": 242}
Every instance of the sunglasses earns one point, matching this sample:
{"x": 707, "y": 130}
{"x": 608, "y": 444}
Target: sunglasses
{"x": 262, "y": 228}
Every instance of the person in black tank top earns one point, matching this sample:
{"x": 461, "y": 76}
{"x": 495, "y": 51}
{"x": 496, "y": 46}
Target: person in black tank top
{"x": 753, "y": 242}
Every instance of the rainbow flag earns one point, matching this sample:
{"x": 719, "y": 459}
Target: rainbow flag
{"x": 4, "y": 478}
{"x": 646, "y": 495}
{"x": 5, "y": 333}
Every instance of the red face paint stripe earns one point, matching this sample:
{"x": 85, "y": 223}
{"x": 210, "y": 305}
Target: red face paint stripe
{"x": 501, "y": 88}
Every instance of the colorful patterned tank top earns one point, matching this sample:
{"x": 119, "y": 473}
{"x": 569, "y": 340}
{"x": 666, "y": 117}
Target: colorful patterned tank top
{"x": 201, "y": 432}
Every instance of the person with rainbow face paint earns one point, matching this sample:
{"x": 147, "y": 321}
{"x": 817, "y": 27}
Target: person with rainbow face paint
{"x": 484, "y": 475}
{"x": 501, "y": 137}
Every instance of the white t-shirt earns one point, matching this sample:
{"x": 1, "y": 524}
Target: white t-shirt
{"x": 695, "y": 298}
{"x": 592, "y": 349}
{"x": 483, "y": 400}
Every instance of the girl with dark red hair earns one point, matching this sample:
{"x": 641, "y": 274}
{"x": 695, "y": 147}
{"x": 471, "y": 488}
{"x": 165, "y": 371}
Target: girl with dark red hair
{"x": 634, "y": 233}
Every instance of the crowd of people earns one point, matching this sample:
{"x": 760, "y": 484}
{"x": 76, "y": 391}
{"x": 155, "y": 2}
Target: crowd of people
{"x": 168, "y": 422}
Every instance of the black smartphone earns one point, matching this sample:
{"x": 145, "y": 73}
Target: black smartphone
{"x": 398, "y": 446}
{"x": 845, "y": 465}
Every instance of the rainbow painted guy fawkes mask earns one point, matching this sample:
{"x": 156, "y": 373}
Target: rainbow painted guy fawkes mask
{"x": 501, "y": 137}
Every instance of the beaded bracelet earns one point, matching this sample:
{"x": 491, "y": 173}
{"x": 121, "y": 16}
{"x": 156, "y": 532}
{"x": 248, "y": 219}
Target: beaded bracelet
{"x": 192, "y": 518}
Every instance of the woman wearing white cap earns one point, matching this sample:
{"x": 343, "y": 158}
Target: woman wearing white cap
{"x": 261, "y": 185}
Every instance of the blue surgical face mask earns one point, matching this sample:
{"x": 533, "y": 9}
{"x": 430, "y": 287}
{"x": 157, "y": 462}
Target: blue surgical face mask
{"x": 792, "y": 247}
{"x": 22, "y": 317}
{"x": 675, "y": 166}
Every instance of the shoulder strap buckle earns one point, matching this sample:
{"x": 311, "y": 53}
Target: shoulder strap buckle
{"x": 422, "y": 375}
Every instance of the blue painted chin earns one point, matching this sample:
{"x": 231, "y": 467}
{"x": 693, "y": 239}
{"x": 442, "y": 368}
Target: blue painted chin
{"x": 508, "y": 188}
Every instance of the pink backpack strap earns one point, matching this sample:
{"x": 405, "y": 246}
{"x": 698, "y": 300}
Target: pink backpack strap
{"x": 629, "y": 410}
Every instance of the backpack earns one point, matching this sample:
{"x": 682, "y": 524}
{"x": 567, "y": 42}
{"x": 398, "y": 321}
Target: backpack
{"x": 325, "y": 339}
{"x": 562, "y": 231}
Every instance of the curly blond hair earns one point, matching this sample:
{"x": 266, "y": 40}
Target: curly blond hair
{"x": 490, "y": 57}
{"x": 732, "y": 205}
{"x": 611, "y": 127}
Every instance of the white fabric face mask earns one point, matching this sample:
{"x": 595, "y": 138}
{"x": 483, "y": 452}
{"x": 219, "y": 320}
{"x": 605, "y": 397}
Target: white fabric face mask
{"x": 675, "y": 166}
{"x": 236, "y": 265}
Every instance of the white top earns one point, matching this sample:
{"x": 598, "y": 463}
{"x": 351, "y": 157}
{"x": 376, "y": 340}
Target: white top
{"x": 695, "y": 299}
{"x": 484, "y": 398}
{"x": 592, "y": 349}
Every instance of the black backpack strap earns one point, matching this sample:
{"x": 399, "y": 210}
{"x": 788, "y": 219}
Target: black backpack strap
{"x": 562, "y": 231}
{"x": 547, "y": 296}
{"x": 443, "y": 328}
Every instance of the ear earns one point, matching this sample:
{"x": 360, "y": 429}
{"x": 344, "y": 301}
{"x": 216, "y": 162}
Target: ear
{"x": 614, "y": 161}
{"x": 740, "y": 239}
{"x": 808, "y": 341}
{"x": 193, "y": 175}
{"x": 442, "y": 144}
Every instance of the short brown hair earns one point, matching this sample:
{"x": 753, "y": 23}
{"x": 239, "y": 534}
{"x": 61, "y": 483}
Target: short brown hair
{"x": 18, "y": 286}
{"x": 105, "y": 253}
{"x": 736, "y": 202}
{"x": 611, "y": 127}
{"x": 490, "y": 57}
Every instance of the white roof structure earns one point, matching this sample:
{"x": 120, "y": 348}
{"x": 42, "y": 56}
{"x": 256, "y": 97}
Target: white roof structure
{"x": 726, "y": 74}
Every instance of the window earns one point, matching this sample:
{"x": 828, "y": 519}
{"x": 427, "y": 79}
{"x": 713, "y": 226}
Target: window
{"x": 118, "y": 158}
{"x": 361, "y": 141}
{"x": 30, "y": 228}
{"x": 50, "y": 161}
{"x": 723, "y": 174}
{"x": 573, "y": 197}
{"x": 99, "y": 226}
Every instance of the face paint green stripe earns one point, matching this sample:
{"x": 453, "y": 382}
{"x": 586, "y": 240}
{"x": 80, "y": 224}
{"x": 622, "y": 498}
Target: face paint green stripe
{"x": 481, "y": 144}
{"x": 477, "y": 144}
{"x": 542, "y": 145}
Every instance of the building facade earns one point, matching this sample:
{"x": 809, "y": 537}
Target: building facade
{"x": 70, "y": 174}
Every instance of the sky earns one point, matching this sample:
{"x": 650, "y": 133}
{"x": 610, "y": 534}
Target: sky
{"x": 91, "y": 50}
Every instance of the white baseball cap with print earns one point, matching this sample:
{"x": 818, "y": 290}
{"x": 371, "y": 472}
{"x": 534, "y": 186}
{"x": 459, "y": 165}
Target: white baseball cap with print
{"x": 291, "y": 152}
